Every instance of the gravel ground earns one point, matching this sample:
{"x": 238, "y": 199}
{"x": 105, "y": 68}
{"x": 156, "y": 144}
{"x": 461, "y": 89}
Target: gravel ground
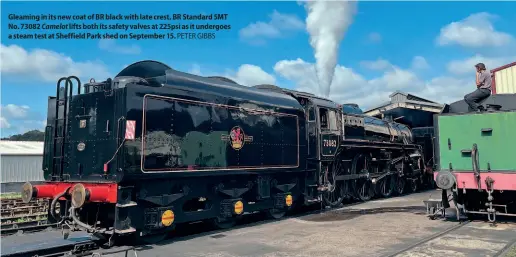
{"x": 474, "y": 239}
{"x": 511, "y": 252}
{"x": 375, "y": 228}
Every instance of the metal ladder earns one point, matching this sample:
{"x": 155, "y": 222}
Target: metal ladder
{"x": 61, "y": 125}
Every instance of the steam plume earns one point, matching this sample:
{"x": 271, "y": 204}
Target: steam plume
{"x": 326, "y": 23}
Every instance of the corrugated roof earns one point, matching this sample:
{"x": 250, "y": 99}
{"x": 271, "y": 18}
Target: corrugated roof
{"x": 503, "y": 67}
{"x": 21, "y": 147}
{"x": 411, "y": 96}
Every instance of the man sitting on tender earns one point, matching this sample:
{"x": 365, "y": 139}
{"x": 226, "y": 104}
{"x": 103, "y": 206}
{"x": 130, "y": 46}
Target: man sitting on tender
{"x": 483, "y": 91}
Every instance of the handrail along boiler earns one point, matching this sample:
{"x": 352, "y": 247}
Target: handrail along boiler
{"x": 155, "y": 147}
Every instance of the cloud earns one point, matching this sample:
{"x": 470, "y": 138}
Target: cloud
{"x": 419, "y": 63}
{"x": 351, "y": 87}
{"x": 28, "y": 125}
{"x": 396, "y": 79}
{"x": 4, "y": 123}
{"x": 278, "y": 26}
{"x": 110, "y": 45}
{"x": 246, "y": 74}
{"x": 14, "y": 111}
{"x": 446, "y": 89}
{"x": 465, "y": 66}
{"x": 251, "y": 75}
{"x": 46, "y": 65}
{"x": 20, "y": 118}
{"x": 374, "y": 37}
{"x": 475, "y": 30}
{"x": 379, "y": 64}
{"x": 348, "y": 86}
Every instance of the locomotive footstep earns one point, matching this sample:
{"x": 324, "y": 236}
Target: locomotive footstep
{"x": 153, "y": 239}
{"x": 275, "y": 214}
{"x": 221, "y": 223}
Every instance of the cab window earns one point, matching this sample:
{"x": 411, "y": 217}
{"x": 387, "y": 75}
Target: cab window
{"x": 332, "y": 120}
{"x": 311, "y": 114}
{"x": 328, "y": 119}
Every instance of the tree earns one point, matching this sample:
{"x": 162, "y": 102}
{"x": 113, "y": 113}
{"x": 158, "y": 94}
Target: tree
{"x": 33, "y": 135}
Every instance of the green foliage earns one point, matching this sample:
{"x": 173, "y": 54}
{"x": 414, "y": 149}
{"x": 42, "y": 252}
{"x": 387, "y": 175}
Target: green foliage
{"x": 13, "y": 195}
{"x": 33, "y": 135}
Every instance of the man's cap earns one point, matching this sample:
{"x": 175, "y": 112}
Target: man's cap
{"x": 480, "y": 65}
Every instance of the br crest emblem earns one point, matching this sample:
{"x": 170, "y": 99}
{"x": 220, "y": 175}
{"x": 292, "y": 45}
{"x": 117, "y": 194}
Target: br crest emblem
{"x": 237, "y": 138}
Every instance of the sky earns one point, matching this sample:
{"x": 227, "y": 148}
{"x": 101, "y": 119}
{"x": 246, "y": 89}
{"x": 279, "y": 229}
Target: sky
{"x": 351, "y": 52}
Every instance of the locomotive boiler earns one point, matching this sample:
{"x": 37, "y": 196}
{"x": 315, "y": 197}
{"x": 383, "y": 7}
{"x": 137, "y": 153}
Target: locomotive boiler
{"x": 155, "y": 147}
{"x": 362, "y": 127}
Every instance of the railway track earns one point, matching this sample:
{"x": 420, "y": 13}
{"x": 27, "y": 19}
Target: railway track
{"x": 505, "y": 251}
{"x": 16, "y": 216}
{"x": 428, "y": 239}
{"x": 26, "y": 227}
{"x": 408, "y": 251}
{"x": 75, "y": 247}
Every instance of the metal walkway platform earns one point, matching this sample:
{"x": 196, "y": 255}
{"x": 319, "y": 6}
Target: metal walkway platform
{"x": 42, "y": 243}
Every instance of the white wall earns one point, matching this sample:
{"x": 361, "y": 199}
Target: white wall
{"x": 17, "y": 168}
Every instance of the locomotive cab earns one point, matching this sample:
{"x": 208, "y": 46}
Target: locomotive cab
{"x": 330, "y": 130}
{"x": 324, "y": 130}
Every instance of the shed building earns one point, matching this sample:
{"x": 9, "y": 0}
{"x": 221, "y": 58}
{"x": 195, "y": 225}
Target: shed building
{"x": 20, "y": 161}
{"x": 504, "y": 79}
{"x": 408, "y": 109}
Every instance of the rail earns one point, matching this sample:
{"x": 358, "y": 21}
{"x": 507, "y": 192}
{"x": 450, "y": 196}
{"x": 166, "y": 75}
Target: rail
{"x": 26, "y": 227}
{"x": 17, "y": 216}
{"x": 77, "y": 247}
{"x": 429, "y": 238}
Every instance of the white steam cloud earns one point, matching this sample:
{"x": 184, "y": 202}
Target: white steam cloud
{"x": 327, "y": 22}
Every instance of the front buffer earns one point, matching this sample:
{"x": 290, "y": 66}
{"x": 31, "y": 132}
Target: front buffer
{"x": 97, "y": 208}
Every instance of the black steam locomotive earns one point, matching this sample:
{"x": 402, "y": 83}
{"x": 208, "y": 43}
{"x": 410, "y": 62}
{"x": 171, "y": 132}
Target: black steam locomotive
{"x": 155, "y": 147}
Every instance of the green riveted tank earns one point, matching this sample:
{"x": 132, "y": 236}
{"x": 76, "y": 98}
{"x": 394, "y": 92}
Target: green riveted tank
{"x": 493, "y": 134}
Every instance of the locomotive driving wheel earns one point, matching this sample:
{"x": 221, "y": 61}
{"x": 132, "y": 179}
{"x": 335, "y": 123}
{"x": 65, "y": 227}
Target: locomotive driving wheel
{"x": 400, "y": 185}
{"x": 414, "y": 185}
{"x": 363, "y": 188}
{"x": 385, "y": 186}
{"x": 336, "y": 190}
